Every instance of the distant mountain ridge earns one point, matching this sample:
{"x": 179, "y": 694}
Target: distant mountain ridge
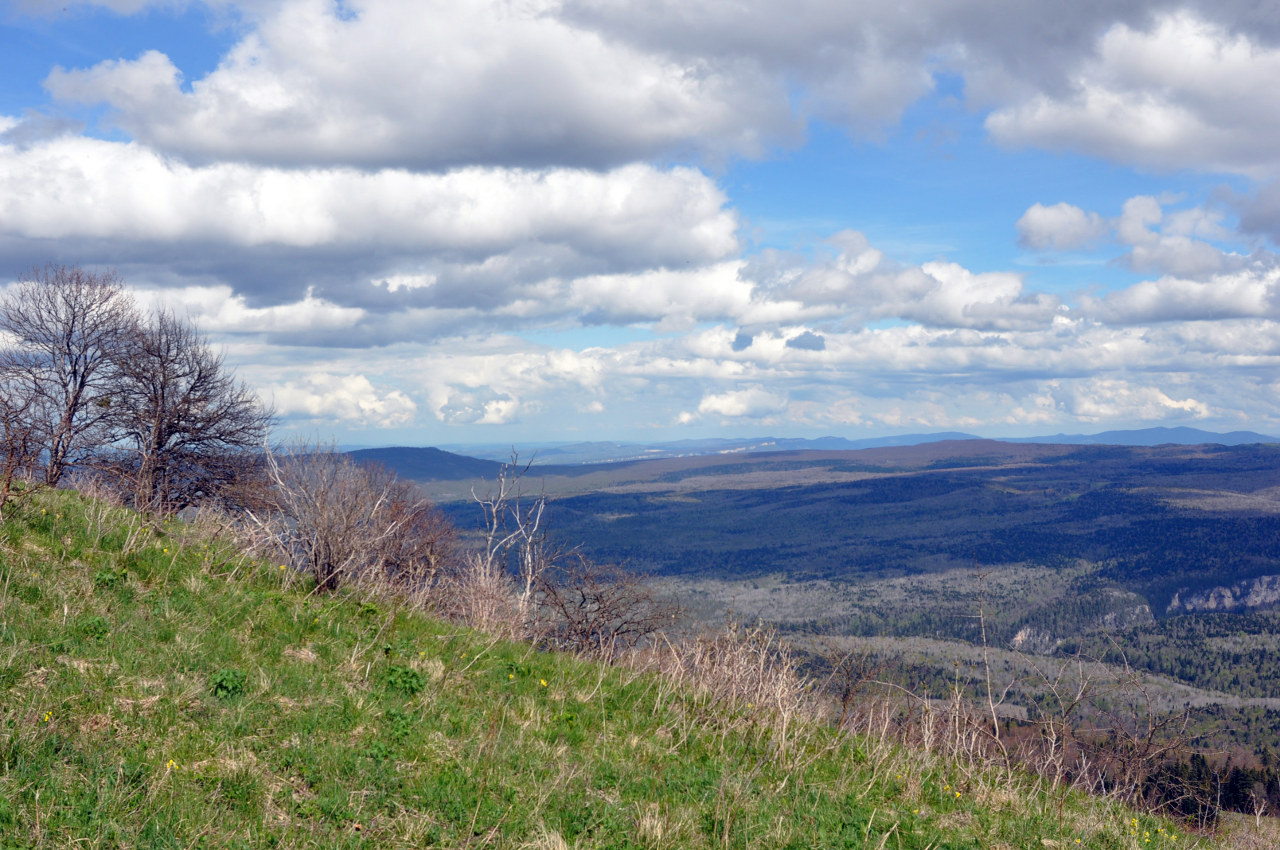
{"x": 577, "y": 459}
{"x": 428, "y": 464}
{"x": 611, "y": 452}
{"x": 1152, "y": 437}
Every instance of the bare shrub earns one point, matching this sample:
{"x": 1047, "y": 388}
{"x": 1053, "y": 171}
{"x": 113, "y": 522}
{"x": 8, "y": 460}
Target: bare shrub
{"x": 599, "y": 609}
{"x": 746, "y": 675}
{"x": 480, "y": 593}
{"x": 737, "y": 666}
{"x": 343, "y": 521}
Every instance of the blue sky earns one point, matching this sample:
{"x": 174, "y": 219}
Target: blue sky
{"x": 423, "y": 222}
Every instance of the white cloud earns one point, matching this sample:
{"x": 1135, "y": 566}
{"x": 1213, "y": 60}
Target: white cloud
{"x": 218, "y": 309}
{"x": 491, "y": 240}
{"x": 1108, "y": 399}
{"x": 430, "y": 84}
{"x": 675, "y": 298}
{"x": 753, "y": 402}
{"x": 1061, "y": 227}
{"x": 1253, "y": 292}
{"x": 1184, "y": 93}
{"x": 79, "y": 187}
{"x": 858, "y": 282}
{"x": 1171, "y": 248}
{"x": 350, "y": 399}
{"x": 433, "y": 84}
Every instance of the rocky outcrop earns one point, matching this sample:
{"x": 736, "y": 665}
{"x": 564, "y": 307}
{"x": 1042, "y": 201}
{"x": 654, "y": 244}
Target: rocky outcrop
{"x": 1261, "y": 592}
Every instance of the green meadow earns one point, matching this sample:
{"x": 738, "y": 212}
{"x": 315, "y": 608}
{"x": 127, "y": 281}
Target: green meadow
{"x": 160, "y": 688}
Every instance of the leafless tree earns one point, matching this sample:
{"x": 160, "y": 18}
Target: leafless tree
{"x": 514, "y": 535}
{"x": 66, "y": 323}
{"x": 188, "y": 427}
{"x": 341, "y": 520}
{"x": 19, "y": 440}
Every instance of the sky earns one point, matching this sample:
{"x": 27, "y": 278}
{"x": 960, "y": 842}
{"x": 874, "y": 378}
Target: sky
{"x": 421, "y": 222}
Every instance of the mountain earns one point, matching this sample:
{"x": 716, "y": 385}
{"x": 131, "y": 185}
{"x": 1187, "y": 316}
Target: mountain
{"x": 598, "y": 452}
{"x": 1153, "y": 437}
{"x": 610, "y": 452}
{"x": 428, "y": 464}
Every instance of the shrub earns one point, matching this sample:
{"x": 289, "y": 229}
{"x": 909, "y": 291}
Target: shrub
{"x": 107, "y": 579}
{"x": 228, "y": 683}
{"x": 93, "y": 628}
{"x": 405, "y": 680}
{"x": 343, "y": 521}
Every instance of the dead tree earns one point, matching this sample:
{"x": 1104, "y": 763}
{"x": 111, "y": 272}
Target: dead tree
{"x": 188, "y": 427}
{"x": 67, "y": 323}
{"x": 20, "y": 446}
{"x": 514, "y": 536}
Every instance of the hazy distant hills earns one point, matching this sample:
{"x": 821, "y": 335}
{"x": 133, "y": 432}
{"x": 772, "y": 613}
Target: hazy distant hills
{"x": 609, "y": 452}
{"x": 462, "y": 462}
{"x": 426, "y": 464}
{"x": 1153, "y": 437}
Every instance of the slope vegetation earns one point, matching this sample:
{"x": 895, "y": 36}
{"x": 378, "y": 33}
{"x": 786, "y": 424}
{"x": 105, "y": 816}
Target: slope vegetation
{"x": 159, "y": 688}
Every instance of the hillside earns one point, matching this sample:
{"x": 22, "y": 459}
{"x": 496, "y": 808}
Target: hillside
{"x": 158, "y": 688}
{"x": 427, "y": 464}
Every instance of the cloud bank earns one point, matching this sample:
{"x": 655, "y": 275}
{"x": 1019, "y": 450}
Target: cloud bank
{"x": 432, "y": 216}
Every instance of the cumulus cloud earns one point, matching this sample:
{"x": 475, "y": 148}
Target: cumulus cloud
{"x": 1060, "y": 227}
{"x": 753, "y": 402}
{"x": 859, "y": 282}
{"x": 1166, "y": 243}
{"x": 437, "y": 85}
{"x": 1178, "y": 242}
{"x": 482, "y": 238}
{"x": 1260, "y": 212}
{"x": 350, "y": 399}
{"x": 1112, "y": 399}
{"x": 807, "y": 341}
{"x": 424, "y": 188}
{"x": 1183, "y": 91}
{"x": 433, "y": 84}
{"x": 218, "y": 309}
{"x": 675, "y": 298}
{"x": 1253, "y": 292}
{"x": 80, "y": 187}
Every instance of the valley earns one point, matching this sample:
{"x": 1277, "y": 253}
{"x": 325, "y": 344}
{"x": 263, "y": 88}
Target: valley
{"x": 1156, "y": 559}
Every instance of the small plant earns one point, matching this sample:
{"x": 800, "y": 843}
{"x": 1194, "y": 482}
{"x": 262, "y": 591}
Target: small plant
{"x": 228, "y": 683}
{"x": 399, "y": 724}
{"x": 108, "y": 579}
{"x": 94, "y": 628}
{"x": 405, "y": 680}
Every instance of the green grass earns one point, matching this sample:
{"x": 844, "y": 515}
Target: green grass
{"x": 160, "y": 689}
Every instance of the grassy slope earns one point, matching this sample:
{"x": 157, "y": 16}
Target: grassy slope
{"x": 158, "y": 689}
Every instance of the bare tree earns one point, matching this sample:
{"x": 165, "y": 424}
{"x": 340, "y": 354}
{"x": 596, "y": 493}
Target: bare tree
{"x": 188, "y": 427}
{"x": 19, "y": 440}
{"x": 66, "y": 323}
{"x": 340, "y": 520}
{"x": 515, "y": 538}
